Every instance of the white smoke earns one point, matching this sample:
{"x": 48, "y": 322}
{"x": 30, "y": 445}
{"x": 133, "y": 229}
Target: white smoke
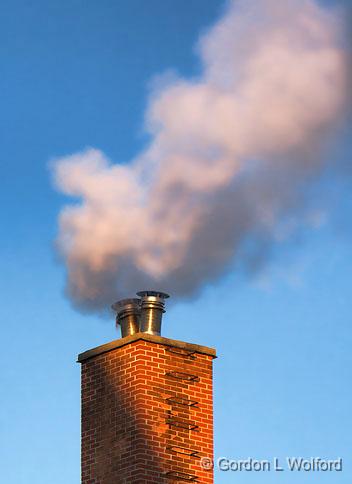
{"x": 229, "y": 156}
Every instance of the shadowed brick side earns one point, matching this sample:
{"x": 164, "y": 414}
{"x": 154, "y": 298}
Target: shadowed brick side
{"x": 141, "y": 415}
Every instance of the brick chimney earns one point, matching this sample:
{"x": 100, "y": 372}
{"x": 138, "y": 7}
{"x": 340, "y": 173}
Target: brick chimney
{"x": 147, "y": 411}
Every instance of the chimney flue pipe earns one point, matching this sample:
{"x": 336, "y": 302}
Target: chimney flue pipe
{"x": 128, "y": 313}
{"x": 152, "y": 309}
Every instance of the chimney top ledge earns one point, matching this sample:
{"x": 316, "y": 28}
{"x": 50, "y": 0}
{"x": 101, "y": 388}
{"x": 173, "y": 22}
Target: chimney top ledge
{"x": 145, "y": 337}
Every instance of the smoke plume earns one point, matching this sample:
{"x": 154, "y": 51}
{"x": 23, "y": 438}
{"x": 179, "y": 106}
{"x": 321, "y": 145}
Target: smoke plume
{"x": 230, "y": 157}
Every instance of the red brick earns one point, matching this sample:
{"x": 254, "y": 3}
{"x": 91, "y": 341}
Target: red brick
{"x": 126, "y": 437}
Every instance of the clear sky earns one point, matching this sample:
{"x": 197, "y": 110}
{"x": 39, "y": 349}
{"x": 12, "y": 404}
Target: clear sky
{"x": 75, "y": 74}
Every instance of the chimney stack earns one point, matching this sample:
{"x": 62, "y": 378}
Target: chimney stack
{"x": 147, "y": 403}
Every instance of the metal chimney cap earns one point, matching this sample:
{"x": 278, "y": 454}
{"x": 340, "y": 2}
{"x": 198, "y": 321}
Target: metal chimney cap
{"x": 132, "y": 302}
{"x": 160, "y": 294}
{"x": 128, "y": 315}
{"x": 152, "y": 309}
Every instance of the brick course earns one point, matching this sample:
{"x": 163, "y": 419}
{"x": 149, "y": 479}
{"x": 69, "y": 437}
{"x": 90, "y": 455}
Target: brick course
{"x": 147, "y": 413}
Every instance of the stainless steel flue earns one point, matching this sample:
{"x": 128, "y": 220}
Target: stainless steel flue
{"x": 128, "y": 312}
{"x": 152, "y": 309}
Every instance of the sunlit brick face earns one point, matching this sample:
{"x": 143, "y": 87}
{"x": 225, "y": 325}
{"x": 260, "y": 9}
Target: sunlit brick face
{"x": 147, "y": 412}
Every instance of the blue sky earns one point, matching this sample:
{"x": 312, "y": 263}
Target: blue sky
{"x": 75, "y": 74}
